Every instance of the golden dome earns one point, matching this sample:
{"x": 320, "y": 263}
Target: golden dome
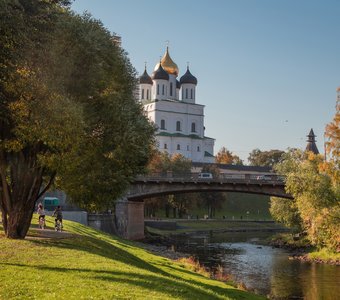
{"x": 338, "y": 89}
{"x": 168, "y": 64}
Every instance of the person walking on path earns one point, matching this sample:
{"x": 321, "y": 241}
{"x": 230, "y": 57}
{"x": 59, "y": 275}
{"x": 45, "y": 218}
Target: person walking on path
{"x": 42, "y": 214}
{"x": 58, "y": 217}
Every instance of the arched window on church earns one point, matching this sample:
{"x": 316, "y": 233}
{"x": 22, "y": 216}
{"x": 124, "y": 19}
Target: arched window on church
{"x": 178, "y": 126}
{"x": 198, "y": 149}
{"x": 191, "y": 94}
{"x": 162, "y": 124}
{"x": 193, "y": 127}
{"x": 163, "y": 89}
{"x": 170, "y": 88}
{"x": 186, "y": 93}
{"x": 182, "y": 93}
{"x": 178, "y": 147}
{"x": 157, "y": 89}
{"x": 142, "y": 93}
{"x": 147, "y": 94}
{"x": 165, "y": 146}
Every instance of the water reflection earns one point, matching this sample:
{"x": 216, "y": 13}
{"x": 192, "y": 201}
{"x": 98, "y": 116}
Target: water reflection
{"x": 265, "y": 269}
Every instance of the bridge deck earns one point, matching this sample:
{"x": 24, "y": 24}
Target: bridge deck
{"x": 245, "y": 178}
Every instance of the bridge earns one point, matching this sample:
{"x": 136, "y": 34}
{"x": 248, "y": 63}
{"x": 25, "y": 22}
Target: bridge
{"x": 130, "y": 209}
{"x": 157, "y": 184}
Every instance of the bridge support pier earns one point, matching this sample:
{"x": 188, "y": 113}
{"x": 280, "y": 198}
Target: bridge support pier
{"x": 130, "y": 219}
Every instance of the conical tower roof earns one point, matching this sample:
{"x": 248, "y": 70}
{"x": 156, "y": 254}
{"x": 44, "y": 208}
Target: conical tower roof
{"x": 188, "y": 78}
{"x": 168, "y": 64}
{"x": 311, "y": 145}
{"x": 160, "y": 73}
{"x": 145, "y": 78}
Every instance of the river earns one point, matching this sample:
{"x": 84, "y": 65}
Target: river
{"x": 264, "y": 269}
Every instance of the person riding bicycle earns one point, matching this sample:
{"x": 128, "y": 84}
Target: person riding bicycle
{"x": 41, "y": 213}
{"x": 58, "y": 216}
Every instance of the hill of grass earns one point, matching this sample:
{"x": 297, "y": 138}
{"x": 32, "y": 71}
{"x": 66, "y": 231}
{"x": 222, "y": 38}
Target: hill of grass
{"x": 83, "y": 263}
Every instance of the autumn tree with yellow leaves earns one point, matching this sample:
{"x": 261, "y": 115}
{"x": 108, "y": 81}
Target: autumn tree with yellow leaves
{"x": 315, "y": 185}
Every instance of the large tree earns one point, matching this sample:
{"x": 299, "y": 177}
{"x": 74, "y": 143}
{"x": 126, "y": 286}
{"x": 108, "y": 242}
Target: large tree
{"x": 224, "y": 156}
{"x": 265, "y": 158}
{"x": 332, "y": 132}
{"x": 316, "y": 206}
{"x": 67, "y": 111}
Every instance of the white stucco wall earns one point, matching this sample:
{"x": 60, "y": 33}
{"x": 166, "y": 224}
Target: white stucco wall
{"x": 178, "y": 108}
{"x": 186, "y": 96}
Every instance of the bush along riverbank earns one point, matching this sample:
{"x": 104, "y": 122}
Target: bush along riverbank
{"x": 301, "y": 249}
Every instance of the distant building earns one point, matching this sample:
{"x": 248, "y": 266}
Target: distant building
{"x": 311, "y": 145}
{"x": 117, "y": 40}
{"x": 171, "y": 105}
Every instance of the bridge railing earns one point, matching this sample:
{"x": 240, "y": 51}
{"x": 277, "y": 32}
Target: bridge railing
{"x": 222, "y": 177}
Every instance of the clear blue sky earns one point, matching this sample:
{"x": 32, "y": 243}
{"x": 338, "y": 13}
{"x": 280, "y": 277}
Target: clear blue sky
{"x": 267, "y": 70}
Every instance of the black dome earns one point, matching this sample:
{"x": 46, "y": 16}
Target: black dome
{"x": 145, "y": 78}
{"x": 188, "y": 78}
{"x": 160, "y": 73}
{"x": 178, "y": 84}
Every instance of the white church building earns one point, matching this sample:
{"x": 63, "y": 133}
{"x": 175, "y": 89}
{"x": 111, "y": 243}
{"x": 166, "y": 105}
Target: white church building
{"x": 171, "y": 104}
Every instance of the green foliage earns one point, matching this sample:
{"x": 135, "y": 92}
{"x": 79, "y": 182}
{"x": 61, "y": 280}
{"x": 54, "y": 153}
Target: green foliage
{"x": 265, "y": 158}
{"x": 67, "y": 110}
{"x": 332, "y": 132}
{"x": 324, "y": 255}
{"x": 118, "y": 137}
{"x": 316, "y": 204}
{"x": 285, "y": 211}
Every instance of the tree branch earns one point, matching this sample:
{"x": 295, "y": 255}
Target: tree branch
{"x": 47, "y": 186}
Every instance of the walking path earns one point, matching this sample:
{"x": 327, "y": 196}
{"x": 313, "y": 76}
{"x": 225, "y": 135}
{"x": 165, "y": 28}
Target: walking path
{"x": 36, "y": 233}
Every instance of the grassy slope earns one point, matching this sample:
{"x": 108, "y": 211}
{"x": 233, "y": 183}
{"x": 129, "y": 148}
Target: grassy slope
{"x": 87, "y": 264}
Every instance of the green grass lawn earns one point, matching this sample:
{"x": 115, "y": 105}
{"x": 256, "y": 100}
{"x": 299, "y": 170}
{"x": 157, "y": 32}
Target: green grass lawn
{"x": 87, "y": 264}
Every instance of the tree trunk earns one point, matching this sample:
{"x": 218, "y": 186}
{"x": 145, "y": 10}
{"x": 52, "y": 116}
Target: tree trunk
{"x": 19, "y": 222}
{"x": 174, "y": 212}
{"x": 21, "y": 182}
{"x": 167, "y": 210}
{"x": 4, "y": 219}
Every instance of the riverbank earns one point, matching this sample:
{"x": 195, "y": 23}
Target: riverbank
{"x": 183, "y": 226}
{"x": 83, "y": 263}
{"x": 300, "y": 249}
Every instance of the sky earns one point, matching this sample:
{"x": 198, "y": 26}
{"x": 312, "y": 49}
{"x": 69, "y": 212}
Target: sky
{"x": 267, "y": 70}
